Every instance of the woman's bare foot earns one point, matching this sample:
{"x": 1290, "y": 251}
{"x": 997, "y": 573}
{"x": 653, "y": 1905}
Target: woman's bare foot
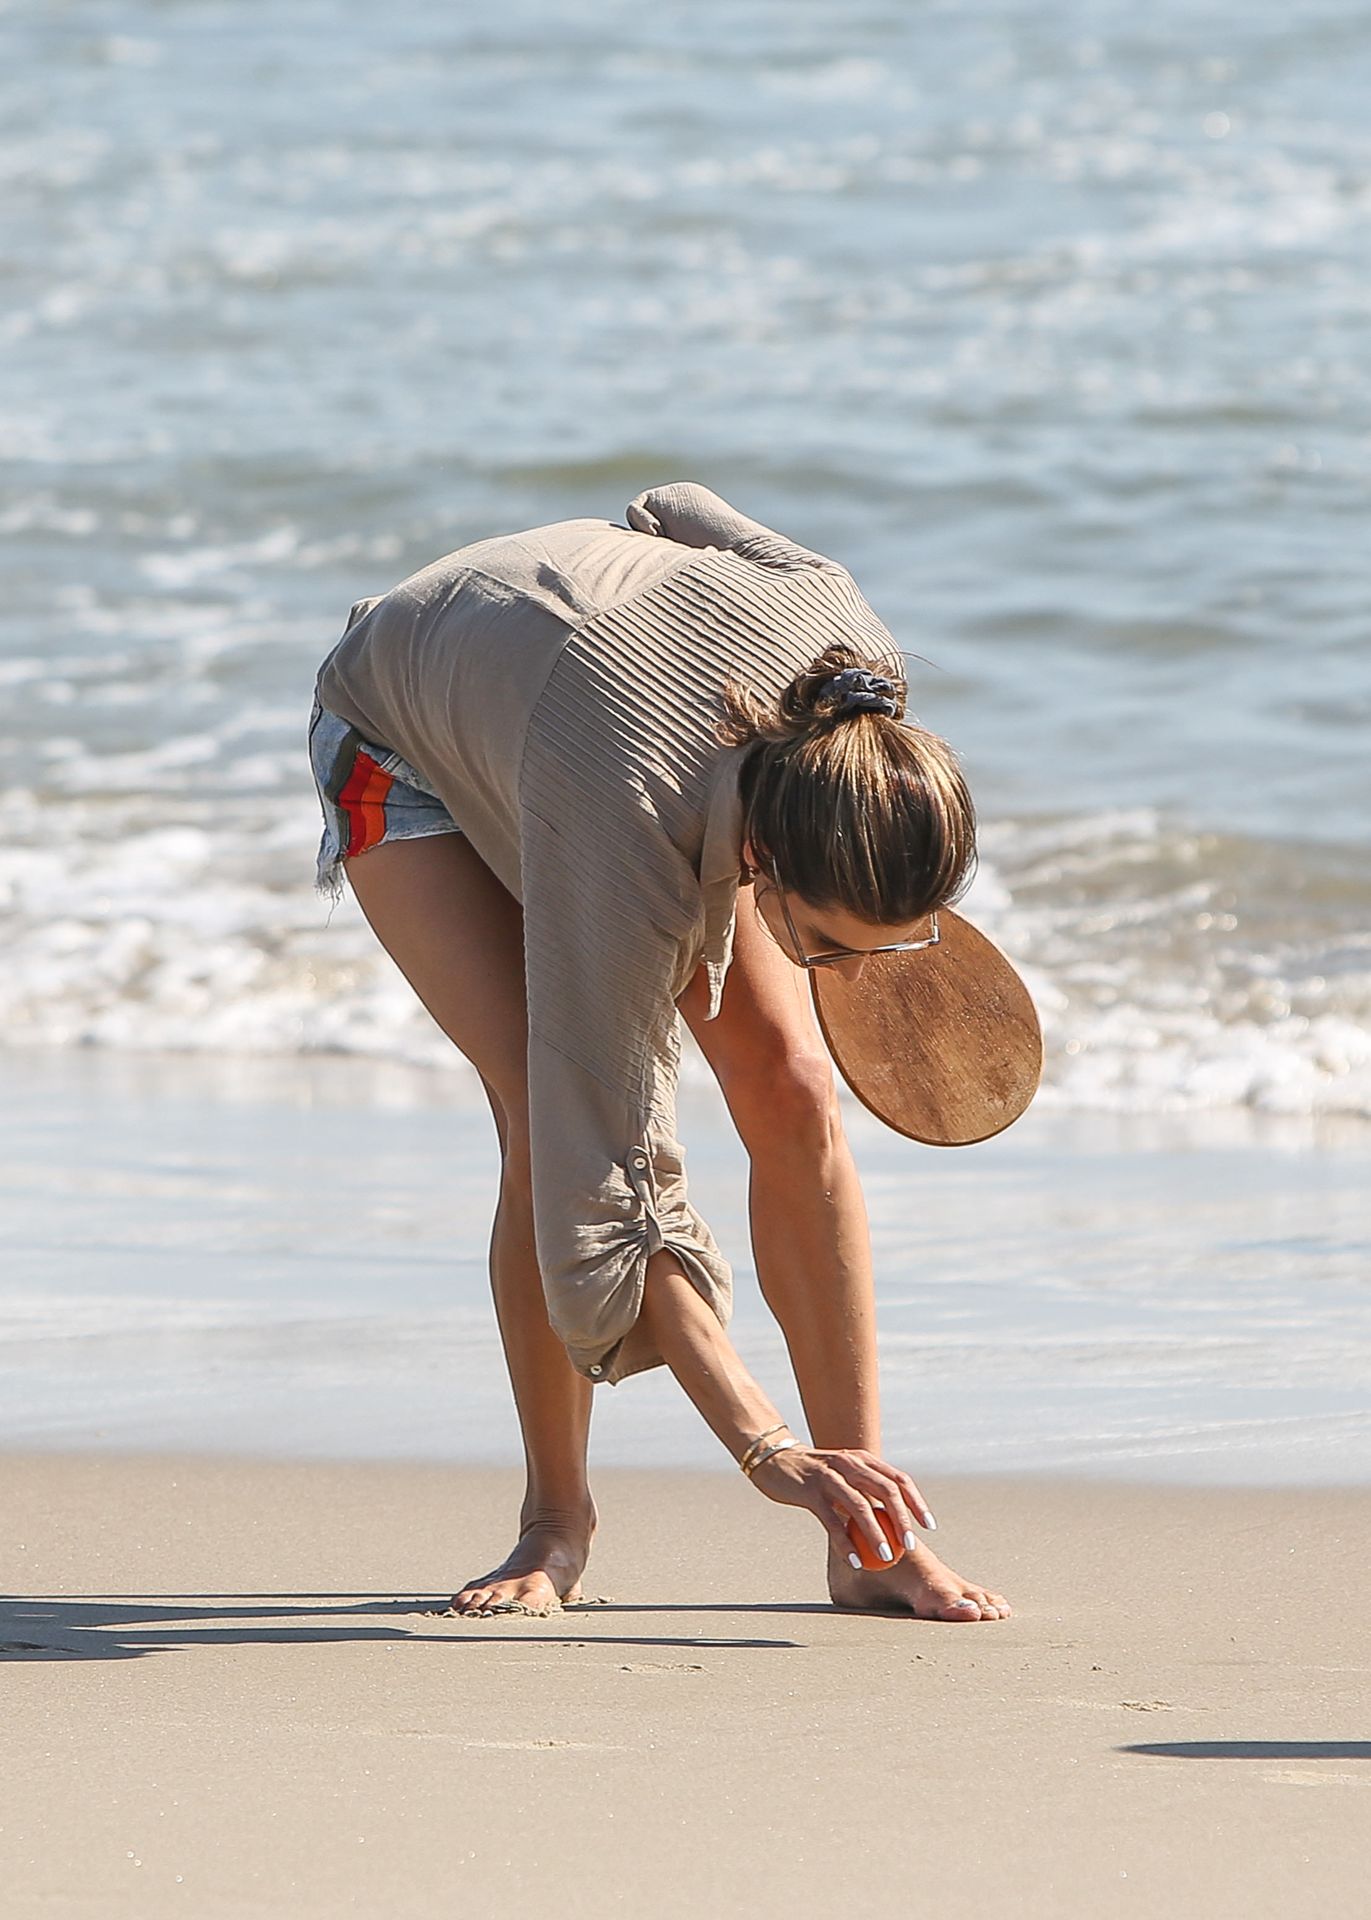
{"x": 918, "y": 1583}
{"x": 544, "y": 1569}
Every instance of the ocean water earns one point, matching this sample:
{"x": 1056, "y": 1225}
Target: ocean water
{"x": 1049, "y": 322}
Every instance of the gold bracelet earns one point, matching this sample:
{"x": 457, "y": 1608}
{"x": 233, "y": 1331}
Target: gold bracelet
{"x": 753, "y": 1445}
{"x": 757, "y": 1440}
{"x": 779, "y": 1447}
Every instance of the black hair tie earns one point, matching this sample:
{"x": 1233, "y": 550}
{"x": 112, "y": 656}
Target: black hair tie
{"x": 861, "y": 692}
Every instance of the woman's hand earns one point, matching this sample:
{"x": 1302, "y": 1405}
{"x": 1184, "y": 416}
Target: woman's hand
{"x": 835, "y": 1483}
{"x": 838, "y": 1484}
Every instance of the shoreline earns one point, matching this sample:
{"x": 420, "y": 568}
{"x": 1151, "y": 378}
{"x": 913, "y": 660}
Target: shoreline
{"x": 274, "y": 1258}
{"x": 1102, "y": 1481}
{"x": 260, "y": 1694}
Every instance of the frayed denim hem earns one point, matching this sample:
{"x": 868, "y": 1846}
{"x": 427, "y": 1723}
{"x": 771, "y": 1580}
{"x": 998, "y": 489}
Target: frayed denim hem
{"x": 328, "y": 868}
{"x": 410, "y": 809}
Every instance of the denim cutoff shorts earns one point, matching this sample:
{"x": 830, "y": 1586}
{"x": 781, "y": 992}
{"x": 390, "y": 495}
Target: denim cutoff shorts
{"x": 368, "y": 795}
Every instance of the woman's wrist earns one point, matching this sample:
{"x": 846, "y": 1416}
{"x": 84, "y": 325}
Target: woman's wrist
{"x": 702, "y": 1357}
{"x": 763, "y": 1450}
{"x": 755, "y": 1447}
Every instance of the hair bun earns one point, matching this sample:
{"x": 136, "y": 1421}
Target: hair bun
{"x": 858, "y": 691}
{"x": 840, "y": 682}
{"x": 874, "y": 818}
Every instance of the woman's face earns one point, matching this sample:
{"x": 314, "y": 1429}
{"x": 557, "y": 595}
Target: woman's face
{"x": 820, "y": 929}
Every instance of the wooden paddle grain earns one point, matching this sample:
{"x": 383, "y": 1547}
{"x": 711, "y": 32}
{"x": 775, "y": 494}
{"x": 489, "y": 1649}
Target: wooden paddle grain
{"x": 943, "y": 1045}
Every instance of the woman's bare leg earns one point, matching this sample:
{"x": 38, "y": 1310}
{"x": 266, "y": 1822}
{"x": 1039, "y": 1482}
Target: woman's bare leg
{"x": 809, "y": 1234}
{"x": 457, "y": 936}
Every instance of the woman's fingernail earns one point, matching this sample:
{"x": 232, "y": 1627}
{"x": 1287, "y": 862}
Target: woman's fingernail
{"x": 910, "y": 1541}
{"x": 855, "y": 1559}
{"x": 929, "y": 1521}
{"x": 884, "y": 1550}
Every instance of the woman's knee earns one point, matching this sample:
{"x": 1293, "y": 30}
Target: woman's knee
{"x": 516, "y": 1154}
{"x": 510, "y": 1114}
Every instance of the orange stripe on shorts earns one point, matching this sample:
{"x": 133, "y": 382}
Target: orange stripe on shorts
{"x": 363, "y": 801}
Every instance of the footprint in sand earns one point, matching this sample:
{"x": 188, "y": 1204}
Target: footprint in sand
{"x": 500, "y": 1606}
{"x": 516, "y": 1606}
{"x": 540, "y": 1746}
{"x": 661, "y": 1666}
{"x": 1113, "y": 1706}
{"x": 1306, "y": 1777}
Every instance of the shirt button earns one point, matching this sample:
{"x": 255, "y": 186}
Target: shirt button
{"x": 639, "y": 1159}
{"x": 597, "y": 1371}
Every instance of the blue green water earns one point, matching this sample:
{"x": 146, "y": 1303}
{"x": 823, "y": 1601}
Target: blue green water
{"x": 1049, "y": 322}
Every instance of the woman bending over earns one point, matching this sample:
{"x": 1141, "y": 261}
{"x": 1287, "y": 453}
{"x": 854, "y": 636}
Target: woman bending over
{"x": 587, "y": 781}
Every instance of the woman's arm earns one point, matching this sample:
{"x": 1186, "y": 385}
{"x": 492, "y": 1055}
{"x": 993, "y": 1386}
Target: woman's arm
{"x": 835, "y": 1483}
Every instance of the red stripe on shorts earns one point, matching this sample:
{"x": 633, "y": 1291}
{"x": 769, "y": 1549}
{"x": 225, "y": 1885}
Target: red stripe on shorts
{"x": 363, "y": 801}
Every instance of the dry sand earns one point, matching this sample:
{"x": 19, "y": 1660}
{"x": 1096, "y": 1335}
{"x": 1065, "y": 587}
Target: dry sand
{"x": 225, "y": 1695}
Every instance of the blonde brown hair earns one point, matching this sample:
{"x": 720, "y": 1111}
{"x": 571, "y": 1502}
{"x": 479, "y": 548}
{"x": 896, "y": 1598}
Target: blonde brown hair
{"x": 866, "y": 811}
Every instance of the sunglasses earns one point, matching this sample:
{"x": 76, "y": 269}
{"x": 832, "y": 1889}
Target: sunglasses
{"x": 833, "y": 955}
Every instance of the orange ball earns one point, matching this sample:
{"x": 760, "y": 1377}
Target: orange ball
{"x": 863, "y": 1548}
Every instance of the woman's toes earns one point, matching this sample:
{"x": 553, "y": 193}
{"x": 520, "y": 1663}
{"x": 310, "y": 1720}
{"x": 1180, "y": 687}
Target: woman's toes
{"x": 988, "y": 1605}
{"x": 972, "y": 1604}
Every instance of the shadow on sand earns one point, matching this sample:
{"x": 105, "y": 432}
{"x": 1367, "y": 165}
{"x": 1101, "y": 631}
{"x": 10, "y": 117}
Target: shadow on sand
{"x": 101, "y": 1627}
{"x": 1255, "y": 1749}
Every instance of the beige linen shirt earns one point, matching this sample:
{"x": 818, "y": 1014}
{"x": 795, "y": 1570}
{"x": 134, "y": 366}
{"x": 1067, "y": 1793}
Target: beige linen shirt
{"x": 560, "y": 691}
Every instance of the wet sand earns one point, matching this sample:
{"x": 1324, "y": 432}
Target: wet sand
{"x": 289, "y": 1258}
{"x": 228, "y": 1692}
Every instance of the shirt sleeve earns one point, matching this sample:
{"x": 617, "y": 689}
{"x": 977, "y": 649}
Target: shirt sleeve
{"x": 693, "y": 516}
{"x": 604, "y": 964}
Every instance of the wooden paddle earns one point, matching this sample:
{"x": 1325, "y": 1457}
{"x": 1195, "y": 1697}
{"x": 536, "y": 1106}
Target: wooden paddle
{"x": 943, "y": 1045}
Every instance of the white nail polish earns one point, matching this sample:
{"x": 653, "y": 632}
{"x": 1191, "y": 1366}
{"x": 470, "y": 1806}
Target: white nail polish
{"x": 930, "y": 1522}
{"x": 910, "y": 1541}
{"x": 884, "y": 1550}
{"x": 855, "y": 1560}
